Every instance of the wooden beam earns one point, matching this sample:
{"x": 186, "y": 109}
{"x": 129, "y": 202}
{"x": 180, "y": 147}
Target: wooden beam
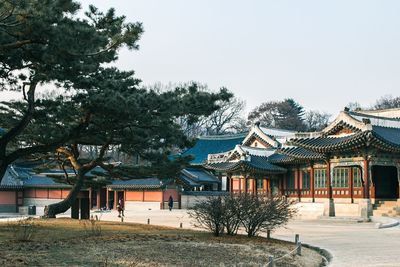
{"x": 328, "y": 179}
{"x": 312, "y": 183}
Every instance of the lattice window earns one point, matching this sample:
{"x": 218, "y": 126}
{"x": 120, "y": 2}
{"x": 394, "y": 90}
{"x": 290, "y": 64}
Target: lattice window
{"x": 320, "y": 178}
{"x": 260, "y": 183}
{"x": 305, "y": 179}
{"x": 340, "y": 177}
{"x": 357, "y": 179}
{"x": 290, "y": 180}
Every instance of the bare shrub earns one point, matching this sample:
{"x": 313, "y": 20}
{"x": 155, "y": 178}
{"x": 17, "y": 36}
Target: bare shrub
{"x": 209, "y": 214}
{"x": 23, "y": 230}
{"x": 231, "y": 211}
{"x": 92, "y": 227}
{"x": 259, "y": 213}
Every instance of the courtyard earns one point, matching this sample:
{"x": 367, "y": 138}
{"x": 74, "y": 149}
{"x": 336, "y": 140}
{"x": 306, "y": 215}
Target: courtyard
{"x": 349, "y": 242}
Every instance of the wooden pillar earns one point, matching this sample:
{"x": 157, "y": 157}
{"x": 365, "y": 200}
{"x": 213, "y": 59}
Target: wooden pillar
{"x": 90, "y": 198}
{"x": 254, "y": 185}
{"x": 245, "y": 184}
{"x": 265, "y": 185}
{"x": 107, "y": 203}
{"x": 298, "y": 183}
{"x": 230, "y": 183}
{"x": 328, "y": 179}
{"x": 351, "y": 184}
{"x": 366, "y": 179}
{"x": 284, "y": 184}
{"x": 312, "y": 183}
{"x": 115, "y": 199}
{"x": 98, "y": 198}
{"x": 240, "y": 185}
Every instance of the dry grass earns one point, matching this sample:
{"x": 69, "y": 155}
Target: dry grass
{"x": 66, "y": 242}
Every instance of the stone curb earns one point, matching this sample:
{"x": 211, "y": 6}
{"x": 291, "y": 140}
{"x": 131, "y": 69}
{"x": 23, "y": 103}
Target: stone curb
{"x": 326, "y": 255}
{"x": 384, "y": 222}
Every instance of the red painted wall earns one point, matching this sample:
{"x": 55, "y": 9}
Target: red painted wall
{"x": 171, "y": 192}
{"x": 7, "y": 197}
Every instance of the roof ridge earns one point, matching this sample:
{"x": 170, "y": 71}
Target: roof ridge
{"x": 372, "y": 116}
{"x": 222, "y": 136}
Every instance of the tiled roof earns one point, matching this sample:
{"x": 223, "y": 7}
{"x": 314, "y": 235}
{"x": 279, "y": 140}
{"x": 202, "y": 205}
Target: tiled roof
{"x": 389, "y": 135}
{"x": 212, "y": 145}
{"x": 147, "y": 183}
{"x": 376, "y": 120}
{"x": 300, "y": 153}
{"x": 331, "y": 144}
{"x": 10, "y": 180}
{"x": 41, "y": 181}
{"x": 197, "y": 177}
{"x": 253, "y": 164}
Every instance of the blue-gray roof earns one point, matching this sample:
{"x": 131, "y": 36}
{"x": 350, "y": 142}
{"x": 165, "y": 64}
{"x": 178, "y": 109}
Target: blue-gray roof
{"x": 147, "y": 183}
{"x": 38, "y": 181}
{"x": 391, "y": 135}
{"x": 10, "y": 180}
{"x": 197, "y": 177}
{"x": 212, "y": 145}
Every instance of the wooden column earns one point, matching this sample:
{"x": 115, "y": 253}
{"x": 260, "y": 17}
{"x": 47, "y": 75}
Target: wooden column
{"x": 254, "y": 184}
{"x": 284, "y": 184}
{"x": 230, "y": 183}
{"x": 328, "y": 179}
{"x": 98, "y": 192}
{"x": 265, "y": 185}
{"x": 245, "y": 184}
{"x": 115, "y": 199}
{"x": 298, "y": 183}
{"x": 240, "y": 185}
{"x": 312, "y": 183}
{"x": 366, "y": 179}
{"x": 351, "y": 184}
{"x": 90, "y": 198}
{"x": 107, "y": 201}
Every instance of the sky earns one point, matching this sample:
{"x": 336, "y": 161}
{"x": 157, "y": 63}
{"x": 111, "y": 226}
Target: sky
{"x": 324, "y": 54}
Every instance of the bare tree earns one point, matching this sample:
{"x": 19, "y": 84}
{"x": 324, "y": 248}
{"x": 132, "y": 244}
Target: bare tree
{"x": 386, "y": 102}
{"x": 209, "y": 214}
{"x": 260, "y": 213}
{"x": 315, "y": 120}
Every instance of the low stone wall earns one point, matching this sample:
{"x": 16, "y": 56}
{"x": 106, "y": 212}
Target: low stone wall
{"x": 346, "y": 209}
{"x": 189, "y": 199}
{"x": 309, "y": 210}
{"x": 40, "y": 203}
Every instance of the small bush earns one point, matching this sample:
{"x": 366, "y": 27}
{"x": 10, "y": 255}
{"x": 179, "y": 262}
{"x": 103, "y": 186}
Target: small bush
{"x": 23, "y": 230}
{"x": 230, "y": 218}
{"x": 259, "y": 213}
{"x": 209, "y": 214}
{"x": 254, "y": 213}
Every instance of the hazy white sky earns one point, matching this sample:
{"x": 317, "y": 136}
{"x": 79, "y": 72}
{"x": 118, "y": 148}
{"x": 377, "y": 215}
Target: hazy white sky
{"x": 324, "y": 54}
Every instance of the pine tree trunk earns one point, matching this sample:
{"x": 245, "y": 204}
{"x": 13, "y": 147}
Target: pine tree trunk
{"x": 3, "y": 169}
{"x": 53, "y": 209}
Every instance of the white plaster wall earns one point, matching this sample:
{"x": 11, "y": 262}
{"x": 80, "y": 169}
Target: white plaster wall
{"x": 40, "y": 203}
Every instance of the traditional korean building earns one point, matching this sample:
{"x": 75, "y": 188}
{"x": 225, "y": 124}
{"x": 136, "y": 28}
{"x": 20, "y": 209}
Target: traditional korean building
{"x": 351, "y": 165}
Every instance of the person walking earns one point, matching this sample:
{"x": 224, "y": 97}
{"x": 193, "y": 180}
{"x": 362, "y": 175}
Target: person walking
{"x": 120, "y": 208}
{"x": 170, "y": 203}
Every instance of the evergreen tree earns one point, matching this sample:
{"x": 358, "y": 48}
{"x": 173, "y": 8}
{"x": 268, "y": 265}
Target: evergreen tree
{"x": 44, "y": 42}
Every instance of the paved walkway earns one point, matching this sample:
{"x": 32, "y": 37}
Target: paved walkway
{"x": 350, "y": 243}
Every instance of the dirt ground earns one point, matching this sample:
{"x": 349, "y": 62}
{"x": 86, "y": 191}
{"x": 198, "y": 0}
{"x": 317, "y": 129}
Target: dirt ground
{"x": 67, "y": 242}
